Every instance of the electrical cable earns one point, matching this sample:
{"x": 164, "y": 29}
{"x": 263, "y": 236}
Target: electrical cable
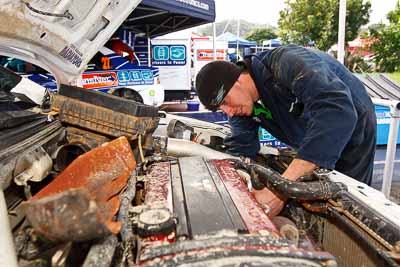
{"x": 66, "y": 14}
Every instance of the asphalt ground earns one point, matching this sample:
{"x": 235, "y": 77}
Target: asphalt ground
{"x": 379, "y": 165}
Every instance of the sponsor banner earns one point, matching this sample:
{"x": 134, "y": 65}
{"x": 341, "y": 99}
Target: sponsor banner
{"x": 169, "y": 55}
{"x": 265, "y": 136}
{"x": 267, "y": 139}
{"x": 99, "y": 80}
{"x": 208, "y": 54}
{"x": 195, "y": 3}
{"x": 117, "y": 78}
{"x": 274, "y": 143}
{"x": 135, "y": 77}
{"x": 383, "y": 117}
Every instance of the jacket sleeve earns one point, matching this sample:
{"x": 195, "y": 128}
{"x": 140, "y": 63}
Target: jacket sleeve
{"x": 243, "y": 140}
{"x": 328, "y": 105}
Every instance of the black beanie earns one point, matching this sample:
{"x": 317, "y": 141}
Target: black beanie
{"x": 214, "y": 81}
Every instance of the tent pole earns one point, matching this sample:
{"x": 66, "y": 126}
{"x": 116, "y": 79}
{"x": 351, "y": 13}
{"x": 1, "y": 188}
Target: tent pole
{"x": 149, "y": 51}
{"x": 226, "y": 26}
{"x": 214, "y": 41}
{"x": 237, "y": 41}
{"x": 342, "y": 30}
{"x": 148, "y": 46}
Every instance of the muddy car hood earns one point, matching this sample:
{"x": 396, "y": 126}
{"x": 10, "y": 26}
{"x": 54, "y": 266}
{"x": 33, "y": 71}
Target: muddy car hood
{"x": 59, "y": 36}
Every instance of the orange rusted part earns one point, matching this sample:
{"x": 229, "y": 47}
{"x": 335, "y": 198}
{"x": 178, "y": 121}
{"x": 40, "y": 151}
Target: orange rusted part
{"x": 68, "y": 216}
{"x": 318, "y": 207}
{"x": 95, "y": 178}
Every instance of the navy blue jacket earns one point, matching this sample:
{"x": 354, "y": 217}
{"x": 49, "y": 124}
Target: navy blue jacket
{"x": 318, "y": 108}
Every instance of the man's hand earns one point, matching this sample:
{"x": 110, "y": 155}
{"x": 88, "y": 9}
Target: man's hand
{"x": 298, "y": 168}
{"x": 270, "y": 201}
{"x": 275, "y": 203}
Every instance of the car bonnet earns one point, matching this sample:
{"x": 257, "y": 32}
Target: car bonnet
{"x": 59, "y": 36}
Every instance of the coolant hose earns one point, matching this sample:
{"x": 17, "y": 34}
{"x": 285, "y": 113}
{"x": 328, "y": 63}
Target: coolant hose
{"x": 319, "y": 190}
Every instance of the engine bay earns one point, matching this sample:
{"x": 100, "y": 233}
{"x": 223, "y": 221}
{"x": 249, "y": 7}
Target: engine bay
{"x": 122, "y": 191}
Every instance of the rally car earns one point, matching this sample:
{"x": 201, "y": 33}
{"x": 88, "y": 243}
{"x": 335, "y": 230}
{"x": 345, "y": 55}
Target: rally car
{"x": 107, "y": 72}
{"x": 120, "y": 194}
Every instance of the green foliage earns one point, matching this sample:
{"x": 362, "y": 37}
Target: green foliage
{"x": 261, "y": 34}
{"x": 302, "y": 21}
{"x": 387, "y": 47}
{"x": 395, "y": 76}
{"x": 357, "y": 64}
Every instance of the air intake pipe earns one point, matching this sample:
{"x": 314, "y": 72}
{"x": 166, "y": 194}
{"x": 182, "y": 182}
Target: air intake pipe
{"x": 185, "y": 148}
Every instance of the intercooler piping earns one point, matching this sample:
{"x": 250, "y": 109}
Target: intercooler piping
{"x": 263, "y": 177}
{"x": 184, "y": 148}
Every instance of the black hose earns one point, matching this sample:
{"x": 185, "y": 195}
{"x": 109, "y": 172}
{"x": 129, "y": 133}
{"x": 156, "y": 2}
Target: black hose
{"x": 123, "y": 214}
{"x": 263, "y": 177}
{"x": 126, "y": 231}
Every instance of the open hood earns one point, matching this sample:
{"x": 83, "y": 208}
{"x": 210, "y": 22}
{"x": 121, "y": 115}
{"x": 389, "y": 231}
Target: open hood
{"x": 60, "y": 36}
{"x": 159, "y": 17}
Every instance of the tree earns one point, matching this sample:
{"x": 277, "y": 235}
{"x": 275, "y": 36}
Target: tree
{"x": 302, "y": 21}
{"x": 387, "y": 46}
{"x": 261, "y": 34}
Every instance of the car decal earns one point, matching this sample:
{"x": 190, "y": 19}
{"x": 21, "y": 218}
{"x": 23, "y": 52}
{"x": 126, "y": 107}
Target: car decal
{"x": 72, "y": 55}
{"x": 99, "y": 80}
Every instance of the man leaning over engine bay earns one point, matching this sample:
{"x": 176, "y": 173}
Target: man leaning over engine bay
{"x": 303, "y": 97}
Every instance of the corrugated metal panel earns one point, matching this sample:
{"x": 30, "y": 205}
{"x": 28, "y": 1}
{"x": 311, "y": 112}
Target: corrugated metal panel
{"x": 380, "y": 86}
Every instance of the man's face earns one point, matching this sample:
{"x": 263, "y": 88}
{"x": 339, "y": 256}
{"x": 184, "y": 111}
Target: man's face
{"x": 238, "y": 101}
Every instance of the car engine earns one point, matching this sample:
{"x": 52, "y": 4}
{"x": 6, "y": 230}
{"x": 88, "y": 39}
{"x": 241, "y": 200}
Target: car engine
{"x": 121, "y": 193}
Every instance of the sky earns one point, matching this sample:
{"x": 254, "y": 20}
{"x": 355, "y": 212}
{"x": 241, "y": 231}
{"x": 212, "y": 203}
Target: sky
{"x": 267, "y": 11}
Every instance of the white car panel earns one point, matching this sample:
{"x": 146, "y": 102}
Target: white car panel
{"x": 59, "y": 36}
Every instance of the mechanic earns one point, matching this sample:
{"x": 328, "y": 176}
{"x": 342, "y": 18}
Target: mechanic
{"x": 303, "y": 97}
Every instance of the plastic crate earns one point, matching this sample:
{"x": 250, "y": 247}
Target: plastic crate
{"x": 383, "y": 124}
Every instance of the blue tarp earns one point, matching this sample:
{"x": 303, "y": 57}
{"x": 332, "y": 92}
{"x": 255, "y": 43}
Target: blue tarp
{"x": 203, "y": 9}
{"x": 233, "y": 40}
{"x": 158, "y": 17}
{"x": 272, "y": 43}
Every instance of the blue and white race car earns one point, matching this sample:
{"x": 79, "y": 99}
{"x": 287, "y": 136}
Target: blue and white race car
{"x": 107, "y": 72}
